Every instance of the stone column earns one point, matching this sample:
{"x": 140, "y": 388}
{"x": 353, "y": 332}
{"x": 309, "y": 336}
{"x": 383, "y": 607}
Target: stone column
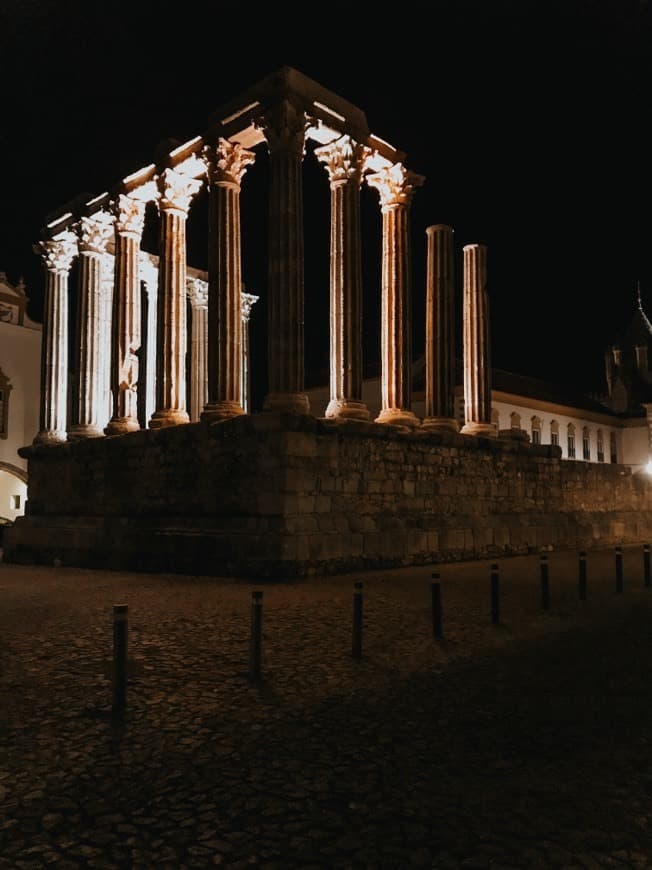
{"x": 344, "y": 161}
{"x": 284, "y": 126}
{"x": 227, "y": 164}
{"x": 88, "y": 398}
{"x": 108, "y": 278}
{"x": 57, "y": 257}
{"x": 247, "y": 301}
{"x": 176, "y": 192}
{"x": 395, "y": 187}
{"x": 198, "y": 295}
{"x": 440, "y": 330}
{"x": 477, "y": 356}
{"x": 149, "y": 277}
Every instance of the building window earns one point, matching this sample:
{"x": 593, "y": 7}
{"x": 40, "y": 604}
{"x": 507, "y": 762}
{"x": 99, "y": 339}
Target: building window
{"x": 600, "y": 446}
{"x": 612, "y": 448}
{"x": 515, "y": 420}
{"x": 586, "y": 444}
{"x": 5, "y": 389}
{"x": 15, "y": 502}
{"x": 536, "y": 430}
{"x": 554, "y": 433}
{"x": 571, "y": 441}
{"x": 495, "y": 419}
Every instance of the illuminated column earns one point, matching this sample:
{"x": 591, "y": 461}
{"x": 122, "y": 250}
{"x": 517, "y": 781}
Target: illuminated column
{"x": 477, "y": 357}
{"x": 344, "y": 160}
{"x": 88, "y": 397}
{"x": 106, "y": 402}
{"x": 395, "y": 187}
{"x": 227, "y": 163}
{"x": 149, "y": 277}
{"x": 284, "y": 127}
{"x": 129, "y": 222}
{"x": 57, "y": 257}
{"x": 247, "y": 301}
{"x": 440, "y": 330}
{"x": 176, "y": 193}
{"x": 198, "y": 295}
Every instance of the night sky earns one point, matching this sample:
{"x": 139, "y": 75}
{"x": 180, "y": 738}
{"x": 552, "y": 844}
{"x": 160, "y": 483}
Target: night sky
{"x": 528, "y": 120}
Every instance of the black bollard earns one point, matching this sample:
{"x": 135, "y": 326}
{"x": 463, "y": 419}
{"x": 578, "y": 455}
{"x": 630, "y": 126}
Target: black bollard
{"x": 582, "y": 575}
{"x": 619, "y": 569}
{"x": 495, "y": 604}
{"x": 646, "y": 564}
{"x": 545, "y": 592}
{"x": 436, "y": 607}
{"x": 256, "y": 635}
{"x": 356, "y": 646}
{"x": 120, "y": 628}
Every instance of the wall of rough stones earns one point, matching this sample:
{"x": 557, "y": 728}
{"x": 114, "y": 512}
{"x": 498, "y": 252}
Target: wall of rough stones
{"x": 285, "y": 495}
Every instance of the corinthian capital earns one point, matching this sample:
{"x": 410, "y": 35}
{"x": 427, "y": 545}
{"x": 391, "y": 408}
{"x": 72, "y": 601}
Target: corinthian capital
{"x": 344, "y": 159}
{"x": 95, "y": 232}
{"x": 177, "y": 191}
{"x": 247, "y": 302}
{"x": 59, "y": 253}
{"x": 284, "y": 126}
{"x": 197, "y": 291}
{"x": 130, "y": 216}
{"x": 395, "y": 185}
{"x": 227, "y": 162}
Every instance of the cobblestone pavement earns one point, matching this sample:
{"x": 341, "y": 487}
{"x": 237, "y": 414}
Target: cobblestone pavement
{"x": 523, "y": 744}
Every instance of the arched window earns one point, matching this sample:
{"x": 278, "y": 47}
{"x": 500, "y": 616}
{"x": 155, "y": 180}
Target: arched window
{"x": 536, "y": 430}
{"x": 5, "y": 389}
{"x": 570, "y": 434}
{"x": 495, "y": 419}
{"x": 515, "y": 420}
{"x": 554, "y": 433}
{"x": 586, "y": 443}
{"x": 600, "y": 439}
{"x": 613, "y": 452}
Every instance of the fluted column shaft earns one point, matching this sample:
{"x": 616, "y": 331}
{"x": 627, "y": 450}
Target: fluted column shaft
{"x": 106, "y": 356}
{"x": 396, "y": 186}
{"x": 248, "y": 300}
{"x": 126, "y": 316}
{"x": 176, "y": 193}
{"x": 57, "y": 257}
{"x": 440, "y": 330}
{"x": 477, "y": 355}
{"x": 198, "y": 295}
{"x": 285, "y": 132}
{"x": 344, "y": 160}
{"x": 227, "y": 165}
{"x": 88, "y": 397}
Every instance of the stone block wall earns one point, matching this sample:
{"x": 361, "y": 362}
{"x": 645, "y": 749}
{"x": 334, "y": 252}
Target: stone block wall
{"x": 285, "y": 495}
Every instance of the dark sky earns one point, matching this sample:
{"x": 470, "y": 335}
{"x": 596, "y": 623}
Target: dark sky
{"x": 528, "y": 119}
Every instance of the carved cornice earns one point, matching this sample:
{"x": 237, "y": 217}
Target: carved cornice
{"x": 177, "y": 191}
{"x": 395, "y": 185}
{"x": 197, "y": 291}
{"x": 247, "y": 302}
{"x": 344, "y": 160}
{"x": 95, "y": 233}
{"x": 284, "y": 126}
{"x": 227, "y": 162}
{"x": 59, "y": 253}
{"x": 130, "y": 216}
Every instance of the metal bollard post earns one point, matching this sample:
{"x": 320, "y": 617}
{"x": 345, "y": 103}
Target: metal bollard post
{"x": 619, "y": 569}
{"x": 646, "y": 564}
{"x": 356, "y": 647}
{"x": 256, "y": 634}
{"x": 495, "y": 604}
{"x": 582, "y": 575}
{"x": 120, "y": 628}
{"x": 545, "y": 592}
{"x": 436, "y": 607}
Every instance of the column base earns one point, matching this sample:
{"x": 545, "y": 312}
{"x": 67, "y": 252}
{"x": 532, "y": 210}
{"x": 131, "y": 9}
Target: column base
{"x": 220, "y": 411}
{"x": 163, "y": 419}
{"x": 347, "y": 409}
{"x": 84, "y": 430}
{"x": 398, "y": 417}
{"x": 440, "y": 424}
{"x": 50, "y": 436}
{"x": 121, "y": 425}
{"x": 485, "y": 430}
{"x": 292, "y": 403}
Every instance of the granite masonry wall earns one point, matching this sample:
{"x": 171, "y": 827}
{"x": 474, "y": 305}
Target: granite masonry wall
{"x": 279, "y": 496}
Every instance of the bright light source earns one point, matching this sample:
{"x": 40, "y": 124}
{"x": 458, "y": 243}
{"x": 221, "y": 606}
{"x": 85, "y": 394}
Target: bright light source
{"x": 648, "y": 467}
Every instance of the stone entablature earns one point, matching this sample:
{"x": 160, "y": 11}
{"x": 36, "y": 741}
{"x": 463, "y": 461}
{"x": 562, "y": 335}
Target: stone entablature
{"x": 262, "y": 494}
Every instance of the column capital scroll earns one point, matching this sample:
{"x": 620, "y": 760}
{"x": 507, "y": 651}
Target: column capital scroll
{"x": 344, "y": 160}
{"x": 284, "y": 127}
{"x": 247, "y": 302}
{"x": 227, "y": 162}
{"x": 395, "y": 185}
{"x": 95, "y": 232}
{"x": 59, "y": 253}
{"x": 177, "y": 191}
{"x": 130, "y": 216}
{"x": 197, "y": 291}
